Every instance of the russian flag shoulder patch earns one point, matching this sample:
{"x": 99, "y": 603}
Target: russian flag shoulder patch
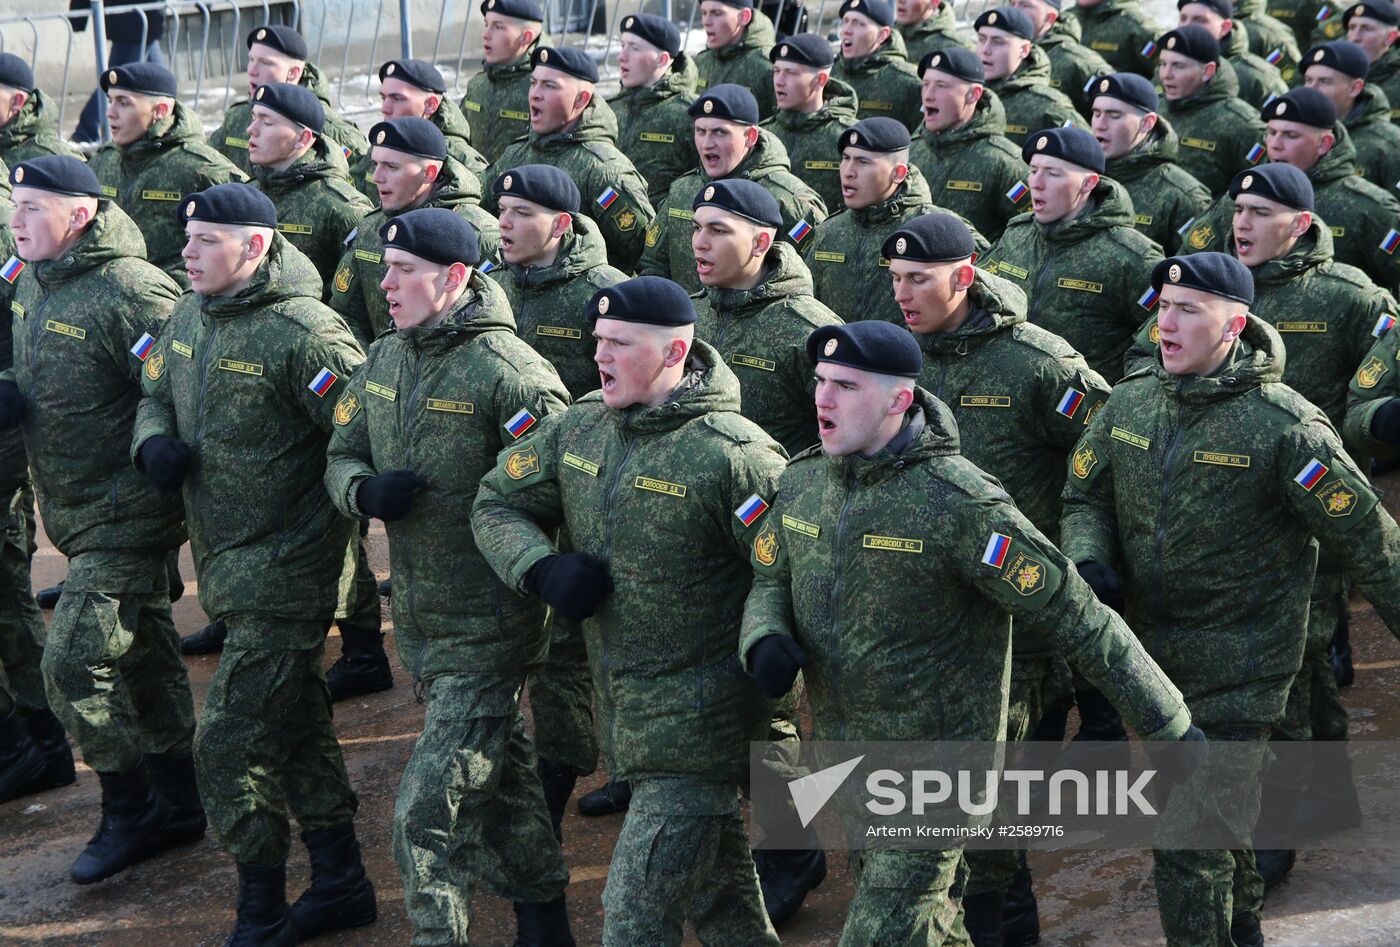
{"x": 323, "y": 382}
{"x": 1390, "y": 241}
{"x": 1255, "y": 153}
{"x": 799, "y": 231}
{"x": 1018, "y": 192}
{"x": 1070, "y": 403}
{"x": 997, "y": 547}
{"x": 1148, "y": 299}
{"x": 12, "y": 268}
{"x": 751, "y": 509}
{"x": 1383, "y": 325}
{"x": 520, "y": 422}
{"x": 1309, "y": 476}
{"x": 606, "y": 198}
{"x": 1149, "y": 49}
{"x": 143, "y": 346}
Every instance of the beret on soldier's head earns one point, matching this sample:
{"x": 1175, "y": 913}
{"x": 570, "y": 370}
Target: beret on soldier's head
{"x": 1193, "y": 42}
{"x": 1225, "y": 8}
{"x": 540, "y": 184}
{"x": 1074, "y": 145}
{"x": 805, "y": 49}
{"x": 879, "y": 134}
{"x": 435, "y": 234}
{"x": 295, "y": 102}
{"x": 877, "y": 11}
{"x": 872, "y": 345}
{"x": 1054, "y": 3}
{"x": 1216, "y": 273}
{"x": 143, "y": 78}
{"x": 414, "y": 136}
{"x": 1278, "y": 182}
{"x": 1345, "y": 57}
{"x": 957, "y": 62}
{"x": 518, "y": 9}
{"x": 284, "y": 39}
{"x": 415, "y": 72}
{"x": 1303, "y": 105}
{"x": 747, "y": 199}
{"x": 239, "y": 205}
{"x": 656, "y": 30}
{"x": 1127, "y": 87}
{"x": 15, "y": 73}
{"x": 727, "y": 101}
{"x": 566, "y": 59}
{"x": 930, "y": 238}
{"x": 1373, "y": 10}
{"x": 738, "y": 4}
{"x": 60, "y": 174}
{"x": 1008, "y": 20}
{"x": 647, "y": 300}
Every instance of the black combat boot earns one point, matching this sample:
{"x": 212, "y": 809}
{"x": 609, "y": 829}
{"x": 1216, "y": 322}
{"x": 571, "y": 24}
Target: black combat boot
{"x": 542, "y": 924}
{"x": 48, "y": 598}
{"x": 386, "y": 588}
{"x": 21, "y": 764}
{"x": 362, "y": 668}
{"x": 47, "y": 734}
{"x": 174, "y": 777}
{"x": 1339, "y": 652}
{"x": 982, "y": 916}
{"x": 558, "y": 780}
{"x": 786, "y": 877}
{"x": 208, "y": 640}
{"x": 1246, "y": 932}
{"x": 611, "y": 799}
{"x": 134, "y": 817}
{"x": 1330, "y": 803}
{"x": 340, "y": 896}
{"x": 263, "y": 918}
{"x": 1020, "y": 914}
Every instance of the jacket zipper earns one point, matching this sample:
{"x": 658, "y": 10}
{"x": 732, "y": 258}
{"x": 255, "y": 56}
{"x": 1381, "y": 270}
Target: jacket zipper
{"x": 836, "y": 609}
{"x": 608, "y": 499}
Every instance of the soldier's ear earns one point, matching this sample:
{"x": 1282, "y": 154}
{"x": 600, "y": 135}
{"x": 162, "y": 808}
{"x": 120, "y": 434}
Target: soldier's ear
{"x": 1301, "y": 223}
{"x": 762, "y": 243}
{"x": 823, "y": 78}
{"x": 900, "y": 172}
{"x": 746, "y": 16}
{"x": 1149, "y": 122}
{"x": 562, "y": 223}
{"x": 1210, "y": 69}
{"x": 975, "y": 92}
{"x": 1234, "y": 326}
{"x": 430, "y": 105}
{"x": 1091, "y": 181}
{"x": 901, "y": 397}
{"x": 1326, "y": 143}
{"x": 305, "y": 138}
{"x": 457, "y": 275}
{"x": 965, "y": 276}
{"x": 1051, "y": 18}
{"x": 431, "y": 170}
{"x": 295, "y": 73}
{"x": 884, "y": 36}
{"x": 1229, "y": 25}
{"x": 751, "y": 136}
{"x": 583, "y": 98}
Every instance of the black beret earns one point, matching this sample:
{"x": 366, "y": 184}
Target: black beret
{"x": 241, "y": 205}
{"x": 519, "y": 9}
{"x": 1074, "y": 145}
{"x": 58, "y": 173}
{"x": 566, "y": 59}
{"x": 738, "y": 4}
{"x": 955, "y": 61}
{"x": 656, "y": 30}
{"x": 1216, "y": 273}
{"x": 747, "y": 199}
{"x": 649, "y": 300}
{"x": 434, "y": 233}
{"x": 1282, "y": 183}
{"x": 733, "y": 103}
{"x": 1383, "y": 12}
{"x": 1054, "y": 3}
{"x": 296, "y": 102}
{"x": 1303, "y": 105}
{"x": 414, "y": 136}
{"x": 15, "y": 73}
{"x": 931, "y": 238}
{"x": 872, "y": 345}
{"x": 145, "y": 78}
{"x": 805, "y": 49}
{"x": 415, "y": 72}
{"x": 541, "y": 184}
{"x": 877, "y": 11}
{"x": 879, "y": 134}
{"x": 1340, "y": 55}
{"x": 1225, "y": 8}
{"x": 1127, "y": 87}
{"x": 1007, "y": 19}
{"x": 1193, "y": 42}
{"x": 284, "y": 39}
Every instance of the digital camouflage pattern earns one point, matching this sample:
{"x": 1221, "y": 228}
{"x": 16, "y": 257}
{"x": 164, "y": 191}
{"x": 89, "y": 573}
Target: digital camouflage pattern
{"x": 1259, "y": 81}
{"x": 561, "y": 700}
{"x": 668, "y": 250}
{"x": 1219, "y": 134}
{"x": 761, "y": 334}
{"x": 743, "y": 63}
{"x": 1385, "y": 75}
{"x": 231, "y": 138}
{"x": 1085, "y": 277}
{"x": 939, "y": 30}
{"x": 1165, "y": 197}
{"x": 33, "y": 133}
{"x": 654, "y": 130}
{"x": 812, "y": 140}
{"x": 1375, "y": 137}
{"x": 355, "y": 292}
{"x": 1031, "y": 103}
{"x": 550, "y": 303}
{"x": 497, "y": 105}
{"x": 1073, "y": 66}
{"x": 449, "y": 120}
{"x": 886, "y": 83}
{"x": 1376, "y": 382}
{"x": 974, "y": 170}
{"x": 149, "y": 177}
{"x": 1269, "y": 38}
{"x": 588, "y": 153}
{"x": 904, "y": 896}
{"x": 317, "y": 206}
{"x": 14, "y": 468}
{"x": 1120, "y": 31}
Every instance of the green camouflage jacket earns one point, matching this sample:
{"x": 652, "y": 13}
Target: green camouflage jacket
{"x": 1258, "y": 80}
{"x": 14, "y": 468}
{"x": 900, "y": 575}
{"x": 497, "y": 105}
{"x": 1375, "y": 138}
{"x": 885, "y": 82}
{"x": 1031, "y": 103}
{"x": 1072, "y": 64}
{"x": 33, "y": 133}
{"x": 812, "y": 140}
{"x": 939, "y": 31}
{"x": 1269, "y": 38}
{"x": 355, "y": 292}
{"x": 656, "y": 493}
{"x": 85, "y": 327}
{"x": 1385, "y": 75}
{"x": 761, "y": 334}
{"x": 1086, "y": 277}
{"x": 238, "y": 383}
{"x": 149, "y": 176}
{"x": 440, "y": 401}
{"x": 1165, "y": 198}
{"x": 1373, "y": 385}
{"x": 1178, "y": 477}
{"x": 668, "y": 250}
{"x": 743, "y": 63}
{"x": 654, "y": 129}
{"x": 550, "y": 303}
{"x": 1120, "y": 31}
{"x": 1220, "y": 134}
{"x": 974, "y": 169}
{"x": 449, "y": 120}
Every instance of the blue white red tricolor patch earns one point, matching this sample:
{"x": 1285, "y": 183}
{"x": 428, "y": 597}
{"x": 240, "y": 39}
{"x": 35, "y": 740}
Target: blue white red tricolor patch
{"x": 751, "y": 509}
{"x": 997, "y": 547}
{"x": 521, "y": 422}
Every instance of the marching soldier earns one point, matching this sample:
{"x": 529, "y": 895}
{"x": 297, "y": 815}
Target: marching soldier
{"x": 1072, "y": 64}
{"x": 1339, "y": 70}
{"x": 737, "y": 40}
{"x": 26, "y": 125}
{"x": 873, "y": 62}
{"x": 658, "y": 85}
{"x": 1374, "y": 25}
{"x": 1018, "y": 71}
{"x": 814, "y": 108}
{"x": 927, "y": 26}
{"x": 1269, "y": 37}
{"x": 1120, "y": 31}
{"x": 497, "y": 102}
{"x": 1258, "y": 79}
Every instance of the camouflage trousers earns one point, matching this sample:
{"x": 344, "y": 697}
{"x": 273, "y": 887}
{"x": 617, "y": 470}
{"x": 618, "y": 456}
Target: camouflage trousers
{"x": 561, "y": 700}
{"x": 21, "y": 622}
{"x": 1314, "y": 710}
{"x": 112, "y": 662}
{"x": 265, "y": 745}
{"x": 683, "y": 855}
{"x": 905, "y": 898}
{"x": 357, "y": 594}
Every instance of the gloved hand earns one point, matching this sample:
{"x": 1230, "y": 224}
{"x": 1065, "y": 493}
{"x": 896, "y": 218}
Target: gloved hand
{"x": 1104, "y": 581}
{"x": 166, "y": 460}
{"x": 389, "y": 495}
{"x": 1177, "y": 761}
{"x": 774, "y": 663}
{"x": 574, "y": 583}
{"x": 1385, "y": 423}
{"x": 12, "y": 405}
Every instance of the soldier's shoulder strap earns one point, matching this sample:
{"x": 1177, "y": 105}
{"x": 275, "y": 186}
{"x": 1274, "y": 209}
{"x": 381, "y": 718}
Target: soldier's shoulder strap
{"x": 1290, "y": 405}
{"x": 735, "y": 427}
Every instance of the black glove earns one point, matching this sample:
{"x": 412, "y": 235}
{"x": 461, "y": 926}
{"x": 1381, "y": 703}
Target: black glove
{"x": 1104, "y": 582}
{"x": 575, "y": 583}
{"x": 1177, "y": 761}
{"x": 166, "y": 461}
{"x": 11, "y": 405}
{"x": 388, "y": 495}
{"x": 1385, "y": 423}
{"x": 774, "y": 663}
